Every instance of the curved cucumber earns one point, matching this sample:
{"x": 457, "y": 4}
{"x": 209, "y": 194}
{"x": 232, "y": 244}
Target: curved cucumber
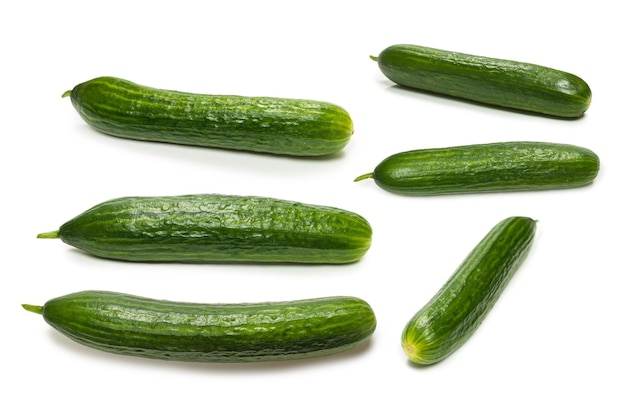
{"x": 262, "y": 124}
{"x": 449, "y": 319}
{"x": 137, "y": 326}
{"x": 221, "y": 228}
{"x": 496, "y": 167}
{"x": 493, "y": 81}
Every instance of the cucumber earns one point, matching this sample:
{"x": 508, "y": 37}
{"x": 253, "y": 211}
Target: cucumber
{"x": 454, "y": 313}
{"x": 498, "y": 82}
{"x": 494, "y": 167}
{"x": 217, "y": 228}
{"x": 195, "y": 332}
{"x": 260, "y": 124}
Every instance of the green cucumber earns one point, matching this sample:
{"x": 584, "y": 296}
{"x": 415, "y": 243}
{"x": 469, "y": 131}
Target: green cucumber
{"x": 498, "y": 82}
{"x": 196, "y": 332}
{"x": 260, "y": 124}
{"x": 454, "y": 313}
{"x": 217, "y": 228}
{"x": 495, "y": 167}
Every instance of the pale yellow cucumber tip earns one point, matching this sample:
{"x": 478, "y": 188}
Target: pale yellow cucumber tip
{"x": 412, "y": 352}
{"x": 33, "y": 308}
{"x": 364, "y": 176}
{"x": 51, "y": 234}
{"x": 374, "y": 58}
{"x": 67, "y": 93}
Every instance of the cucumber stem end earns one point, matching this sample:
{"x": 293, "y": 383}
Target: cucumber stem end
{"x": 51, "y": 234}
{"x": 67, "y": 93}
{"x": 364, "y": 176}
{"x": 373, "y": 58}
{"x": 33, "y": 308}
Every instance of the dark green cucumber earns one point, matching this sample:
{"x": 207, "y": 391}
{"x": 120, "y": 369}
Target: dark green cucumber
{"x": 495, "y": 167}
{"x": 450, "y": 318}
{"x": 498, "y": 82}
{"x": 261, "y": 124}
{"x": 137, "y": 326}
{"x": 217, "y": 228}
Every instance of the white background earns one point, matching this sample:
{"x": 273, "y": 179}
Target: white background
{"x": 552, "y": 346}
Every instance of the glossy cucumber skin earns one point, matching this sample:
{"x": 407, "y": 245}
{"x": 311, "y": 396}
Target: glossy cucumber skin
{"x": 217, "y": 228}
{"x": 260, "y": 124}
{"x": 494, "y": 167}
{"x": 195, "y": 332}
{"x": 450, "y": 318}
{"x": 498, "y": 82}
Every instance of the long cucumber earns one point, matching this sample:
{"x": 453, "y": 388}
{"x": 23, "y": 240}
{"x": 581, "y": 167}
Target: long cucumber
{"x": 456, "y": 311}
{"x": 217, "y": 228}
{"x": 493, "y": 167}
{"x": 493, "y": 81}
{"x": 199, "y": 332}
{"x": 272, "y": 125}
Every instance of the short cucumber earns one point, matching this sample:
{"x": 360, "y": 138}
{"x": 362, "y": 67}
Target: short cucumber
{"x": 495, "y": 167}
{"x": 261, "y": 124}
{"x": 196, "y": 332}
{"x": 498, "y": 82}
{"x": 450, "y": 318}
{"x": 217, "y": 228}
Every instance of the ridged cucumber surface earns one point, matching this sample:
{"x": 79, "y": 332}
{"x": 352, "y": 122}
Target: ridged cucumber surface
{"x": 454, "y": 313}
{"x": 260, "y": 124}
{"x": 493, "y": 81}
{"x": 196, "y": 332}
{"x": 494, "y": 167}
{"x": 217, "y": 228}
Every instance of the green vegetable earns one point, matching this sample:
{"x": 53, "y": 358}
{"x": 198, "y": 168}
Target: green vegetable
{"x": 496, "y": 167}
{"x": 262, "y": 124}
{"x": 137, "y": 326}
{"x": 450, "y": 318}
{"x": 213, "y": 227}
{"x": 510, "y": 84}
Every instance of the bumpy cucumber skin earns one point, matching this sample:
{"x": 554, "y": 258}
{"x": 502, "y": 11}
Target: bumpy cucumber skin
{"x": 260, "y": 124}
{"x": 218, "y": 228}
{"x": 495, "y": 167}
{"x": 193, "y": 332}
{"x": 450, "y": 318}
{"x": 504, "y": 83}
